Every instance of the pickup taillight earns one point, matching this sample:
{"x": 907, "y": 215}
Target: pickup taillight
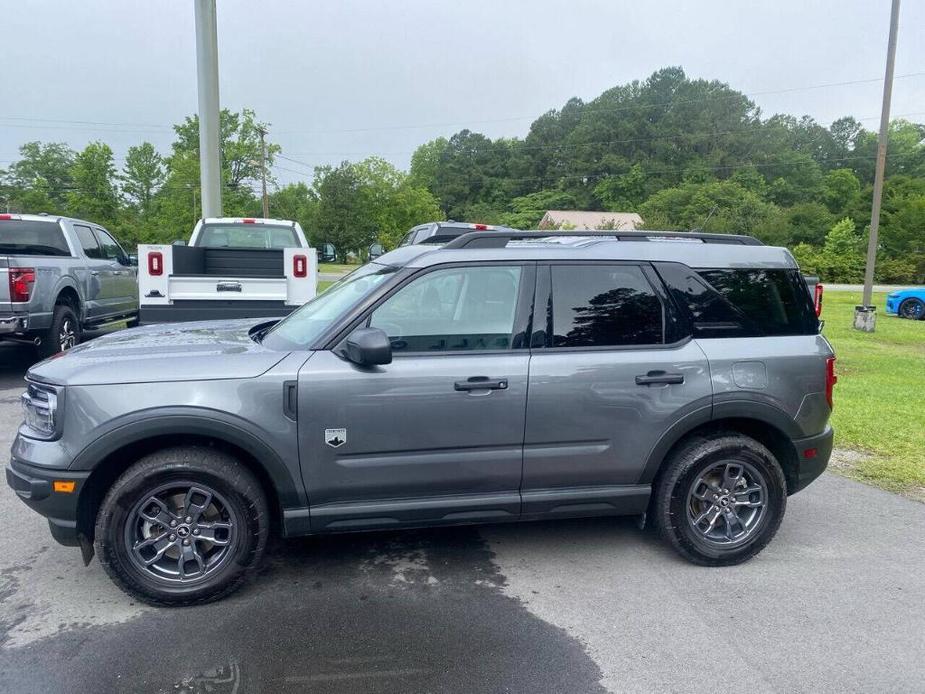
{"x": 299, "y": 266}
{"x": 830, "y": 380}
{"x": 21, "y": 281}
{"x": 817, "y": 299}
{"x": 155, "y": 263}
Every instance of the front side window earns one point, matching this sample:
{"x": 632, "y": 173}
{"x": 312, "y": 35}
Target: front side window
{"x": 604, "y": 306}
{"x": 455, "y": 309}
{"x": 111, "y": 250}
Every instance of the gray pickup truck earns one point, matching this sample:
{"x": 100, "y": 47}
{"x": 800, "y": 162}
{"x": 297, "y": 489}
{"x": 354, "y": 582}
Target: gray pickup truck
{"x": 59, "y": 277}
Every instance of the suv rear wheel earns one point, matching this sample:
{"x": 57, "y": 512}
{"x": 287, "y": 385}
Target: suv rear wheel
{"x": 182, "y": 526}
{"x": 720, "y": 499}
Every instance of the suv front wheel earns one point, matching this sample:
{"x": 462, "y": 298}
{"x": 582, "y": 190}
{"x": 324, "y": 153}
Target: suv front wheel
{"x": 182, "y": 526}
{"x": 720, "y": 499}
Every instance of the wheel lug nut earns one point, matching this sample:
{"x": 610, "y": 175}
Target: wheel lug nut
{"x": 173, "y": 524}
{"x": 186, "y": 542}
{"x": 172, "y": 538}
{"x": 196, "y": 531}
{"x": 189, "y": 519}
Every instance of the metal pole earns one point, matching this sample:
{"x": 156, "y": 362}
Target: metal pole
{"x": 263, "y": 173}
{"x": 210, "y": 167}
{"x": 879, "y": 172}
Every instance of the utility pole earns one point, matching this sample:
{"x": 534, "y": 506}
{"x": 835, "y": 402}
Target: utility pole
{"x": 263, "y": 171}
{"x": 865, "y": 316}
{"x": 210, "y": 166}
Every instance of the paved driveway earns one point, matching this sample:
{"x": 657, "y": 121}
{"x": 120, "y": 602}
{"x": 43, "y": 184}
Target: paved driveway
{"x": 836, "y": 603}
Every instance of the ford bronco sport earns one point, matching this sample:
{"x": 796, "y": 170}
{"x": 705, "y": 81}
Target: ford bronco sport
{"x": 502, "y": 376}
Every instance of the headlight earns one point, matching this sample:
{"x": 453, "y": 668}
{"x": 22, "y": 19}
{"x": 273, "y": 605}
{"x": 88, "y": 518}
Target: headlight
{"x": 41, "y": 406}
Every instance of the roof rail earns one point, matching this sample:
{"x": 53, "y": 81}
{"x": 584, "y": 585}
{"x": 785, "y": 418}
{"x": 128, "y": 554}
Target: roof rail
{"x": 499, "y": 239}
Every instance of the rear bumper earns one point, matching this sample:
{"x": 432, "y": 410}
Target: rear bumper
{"x": 35, "y": 487}
{"x": 10, "y": 324}
{"x": 813, "y": 454}
{"x": 185, "y": 311}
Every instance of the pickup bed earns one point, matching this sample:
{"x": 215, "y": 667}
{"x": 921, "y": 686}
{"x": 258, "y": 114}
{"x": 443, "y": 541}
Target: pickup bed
{"x": 232, "y": 268}
{"x": 59, "y": 277}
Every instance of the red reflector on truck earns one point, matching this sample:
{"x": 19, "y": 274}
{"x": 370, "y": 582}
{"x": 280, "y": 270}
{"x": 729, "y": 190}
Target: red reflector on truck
{"x": 21, "y": 281}
{"x": 249, "y": 220}
{"x": 155, "y": 263}
{"x": 299, "y": 266}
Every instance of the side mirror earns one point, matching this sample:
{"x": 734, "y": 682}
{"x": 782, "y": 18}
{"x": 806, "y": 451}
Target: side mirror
{"x": 375, "y": 250}
{"x": 369, "y": 347}
{"x": 178, "y": 242}
{"x": 133, "y": 261}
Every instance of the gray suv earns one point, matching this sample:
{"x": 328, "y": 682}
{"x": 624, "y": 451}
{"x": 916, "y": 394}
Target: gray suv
{"x": 503, "y": 376}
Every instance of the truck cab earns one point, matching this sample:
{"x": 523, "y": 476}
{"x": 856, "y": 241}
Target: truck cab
{"x": 233, "y": 267}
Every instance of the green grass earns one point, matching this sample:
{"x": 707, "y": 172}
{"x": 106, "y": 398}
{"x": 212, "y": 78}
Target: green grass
{"x": 335, "y": 267}
{"x": 322, "y": 285}
{"x": 880, "y": 395}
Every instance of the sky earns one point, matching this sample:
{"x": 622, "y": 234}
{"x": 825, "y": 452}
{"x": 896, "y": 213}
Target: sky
{"x": 346, "y": 79}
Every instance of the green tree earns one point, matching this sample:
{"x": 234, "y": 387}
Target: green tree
{"x": 94, "y": 195}
{"x": 841, "y": 190}
{"x": 142, "y": 176}
{"x": 718, "y": 206}
{"x": 41, "y": 179}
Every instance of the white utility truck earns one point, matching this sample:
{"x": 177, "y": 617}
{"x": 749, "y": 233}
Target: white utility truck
{"x": 233, "y": 267}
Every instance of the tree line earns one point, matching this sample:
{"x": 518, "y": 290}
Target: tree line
{"x": 684, "y": 153}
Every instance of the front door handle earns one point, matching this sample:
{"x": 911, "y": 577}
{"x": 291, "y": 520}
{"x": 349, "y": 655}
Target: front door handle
{"x": 481, "y": 383}
{"x": 659, "y": 377}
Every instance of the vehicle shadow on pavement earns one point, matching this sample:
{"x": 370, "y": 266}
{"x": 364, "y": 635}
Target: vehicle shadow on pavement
{"x": 376, "y": 612}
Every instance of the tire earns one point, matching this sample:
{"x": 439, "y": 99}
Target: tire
{"x": 63, "y": 333}
{"x": 696, "y": 470}
{"x": 182, "y": 486}
{"x": 913, "y": 309}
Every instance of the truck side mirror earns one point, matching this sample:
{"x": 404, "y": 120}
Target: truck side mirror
{"x": 133, "y": 260}
{"x": 369, "y": 347}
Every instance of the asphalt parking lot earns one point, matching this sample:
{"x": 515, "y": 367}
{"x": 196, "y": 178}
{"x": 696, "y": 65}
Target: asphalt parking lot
{"x": 836, "y": 603}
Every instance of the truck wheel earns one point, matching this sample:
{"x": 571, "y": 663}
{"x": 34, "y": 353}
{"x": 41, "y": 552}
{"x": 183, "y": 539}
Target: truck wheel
{"x": 720, "y": 499}
{"x": 63, "y": 334}
{"x": 182, "y": 526}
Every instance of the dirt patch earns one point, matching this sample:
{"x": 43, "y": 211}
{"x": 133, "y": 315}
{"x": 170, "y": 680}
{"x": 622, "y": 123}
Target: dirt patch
{"x": 847, "y": 462}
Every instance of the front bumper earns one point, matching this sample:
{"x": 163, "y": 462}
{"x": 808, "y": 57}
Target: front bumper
{"x": 36, "y": 487}
{"x": 813, "y": 454}
{"x": 892, "y": 306}
{"x": 13, "y": 324}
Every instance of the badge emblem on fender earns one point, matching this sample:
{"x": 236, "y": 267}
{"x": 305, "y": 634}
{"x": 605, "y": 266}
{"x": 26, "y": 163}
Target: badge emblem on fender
{"x": 335, "y": 438}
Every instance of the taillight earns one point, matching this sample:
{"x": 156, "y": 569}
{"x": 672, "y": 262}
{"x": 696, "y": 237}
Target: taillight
{"x": 6, "y": 216}
{"x": 299, "y": 266}
{"x": 817, "y": 299}
{"x": 155, "y": 263}
{"x": 830, "y": 379}
{"x": 21, "y": 281}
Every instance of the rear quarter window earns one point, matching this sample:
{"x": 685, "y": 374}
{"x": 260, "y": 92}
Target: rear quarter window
{"x": 753, "y": 302}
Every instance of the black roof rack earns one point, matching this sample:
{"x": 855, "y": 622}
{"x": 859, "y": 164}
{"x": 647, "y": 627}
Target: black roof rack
{"x": 499, "y": 239}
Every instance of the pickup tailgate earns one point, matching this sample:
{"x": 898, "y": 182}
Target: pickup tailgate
{"x": 5, "y": 306}
{"x": 186, "y": 282}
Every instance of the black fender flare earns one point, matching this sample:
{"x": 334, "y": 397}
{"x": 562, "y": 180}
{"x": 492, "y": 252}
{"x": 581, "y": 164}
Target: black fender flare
{"x": 733, "y": 408}
{"x": 179, "y": 421}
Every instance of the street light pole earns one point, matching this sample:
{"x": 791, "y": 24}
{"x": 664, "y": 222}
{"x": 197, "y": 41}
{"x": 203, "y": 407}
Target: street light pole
{"x": 210, "y": 167}
{"x": 865, "y": 316}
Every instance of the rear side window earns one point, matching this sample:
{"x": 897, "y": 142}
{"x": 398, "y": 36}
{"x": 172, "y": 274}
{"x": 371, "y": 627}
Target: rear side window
{"x": 742, "y": 302}
{"x": 32, "y": 238}
{"x": 88, "y": 242}
{"x": 604, "y": 306}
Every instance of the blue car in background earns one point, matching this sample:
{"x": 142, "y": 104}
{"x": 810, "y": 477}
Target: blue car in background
{"x": 907, "y": 303}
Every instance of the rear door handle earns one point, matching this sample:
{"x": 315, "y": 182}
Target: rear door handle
{"x": 659, "y": 377}
{"x": 95, "y": 273}
{"x": 481, "y": 383}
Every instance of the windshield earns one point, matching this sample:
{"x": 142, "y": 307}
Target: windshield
{"x": 247, "y": 236}
{"x": 301, "y": 327}
{"x": 32, "y": 238}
